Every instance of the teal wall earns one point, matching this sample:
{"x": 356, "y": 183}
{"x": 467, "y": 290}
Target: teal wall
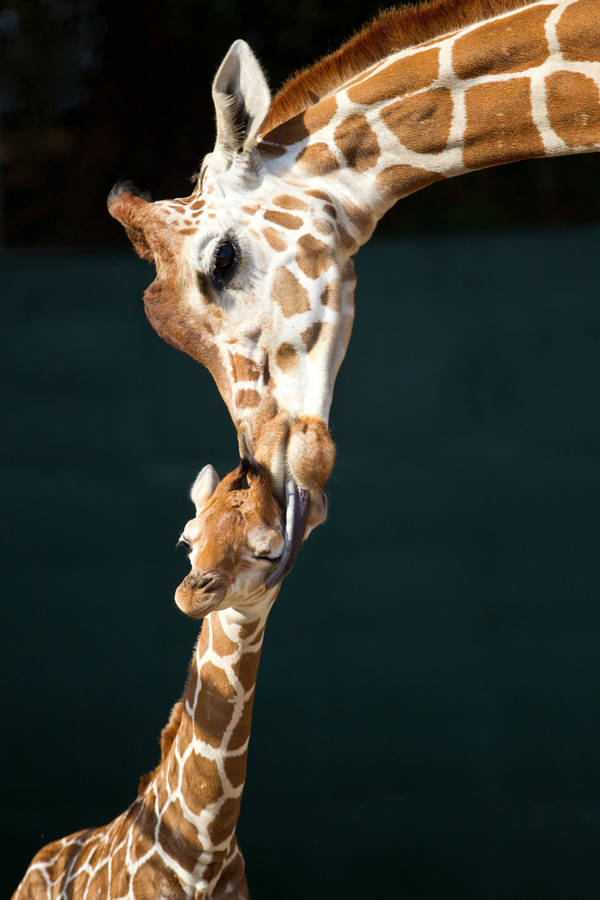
{"x": 426, "y": 719}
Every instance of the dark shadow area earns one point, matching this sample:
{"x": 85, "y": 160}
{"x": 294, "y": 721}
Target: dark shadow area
{"x": 425, "y": 720}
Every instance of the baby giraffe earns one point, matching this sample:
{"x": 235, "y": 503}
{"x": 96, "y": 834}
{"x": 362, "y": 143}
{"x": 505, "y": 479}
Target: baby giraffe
{"x": 177, "y": 839}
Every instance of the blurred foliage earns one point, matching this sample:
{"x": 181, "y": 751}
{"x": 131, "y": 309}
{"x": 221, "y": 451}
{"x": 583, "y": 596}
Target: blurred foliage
{"x": 93, "y": 91}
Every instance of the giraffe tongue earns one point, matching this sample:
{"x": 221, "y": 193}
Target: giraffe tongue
{"x": 297, "y": 502}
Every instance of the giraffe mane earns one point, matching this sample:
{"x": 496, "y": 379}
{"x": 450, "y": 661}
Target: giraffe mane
{"x": 167, "y": 736}
{"x": 390, "y": 31}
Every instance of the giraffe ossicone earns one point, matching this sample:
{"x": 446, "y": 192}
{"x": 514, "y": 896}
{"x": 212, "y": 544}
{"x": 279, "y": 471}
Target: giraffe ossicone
{"x": 255, "y": 277}
{"x": 177, "y": 839}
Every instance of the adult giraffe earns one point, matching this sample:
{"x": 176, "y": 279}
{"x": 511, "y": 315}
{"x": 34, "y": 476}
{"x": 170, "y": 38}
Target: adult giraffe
{"x": 254, "y": 270}
{"x": 177, "y": 839}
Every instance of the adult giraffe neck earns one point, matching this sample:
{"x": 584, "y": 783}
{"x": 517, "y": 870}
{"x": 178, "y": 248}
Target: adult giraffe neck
{"x": 292, "y": 208}
{"x": 521, "y": 85}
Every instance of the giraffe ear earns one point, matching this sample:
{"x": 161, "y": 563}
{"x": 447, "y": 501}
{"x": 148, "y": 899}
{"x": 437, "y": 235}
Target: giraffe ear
{"x": 241, "y": 97}
{"x": 203, "y": 488}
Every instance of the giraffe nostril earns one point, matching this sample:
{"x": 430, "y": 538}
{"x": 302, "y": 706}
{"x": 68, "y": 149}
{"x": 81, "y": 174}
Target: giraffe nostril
{"x": 204, "y": 582}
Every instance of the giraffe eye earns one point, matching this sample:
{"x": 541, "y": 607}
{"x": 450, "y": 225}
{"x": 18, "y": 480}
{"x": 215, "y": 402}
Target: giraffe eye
{"x": 224, "y": 262}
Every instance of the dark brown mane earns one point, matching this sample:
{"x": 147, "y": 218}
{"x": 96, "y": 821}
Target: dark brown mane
{"x": 394, "y": 30}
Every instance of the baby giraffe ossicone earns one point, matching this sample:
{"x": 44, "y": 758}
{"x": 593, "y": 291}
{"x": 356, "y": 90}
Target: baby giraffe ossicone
{"x": 177, "y": 839}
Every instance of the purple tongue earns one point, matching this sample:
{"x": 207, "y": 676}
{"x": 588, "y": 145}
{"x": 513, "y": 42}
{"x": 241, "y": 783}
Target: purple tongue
{"x": 297, "y": 501}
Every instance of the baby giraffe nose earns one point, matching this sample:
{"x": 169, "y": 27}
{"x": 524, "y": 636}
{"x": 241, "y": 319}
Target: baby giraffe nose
{"x": 200, "y": 582}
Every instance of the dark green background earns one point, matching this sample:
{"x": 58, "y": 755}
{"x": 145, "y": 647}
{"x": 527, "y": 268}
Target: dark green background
{"x": 426, "y": 721}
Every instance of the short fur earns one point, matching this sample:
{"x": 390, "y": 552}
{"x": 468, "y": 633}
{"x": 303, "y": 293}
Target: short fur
{"x": 387, "y": 33}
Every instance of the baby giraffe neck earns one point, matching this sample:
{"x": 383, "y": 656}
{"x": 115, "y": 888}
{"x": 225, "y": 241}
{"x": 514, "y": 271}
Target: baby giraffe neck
{"x": 200, "y": 781}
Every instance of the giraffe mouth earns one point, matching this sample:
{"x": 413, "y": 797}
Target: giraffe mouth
{"x": 297, "y": 504}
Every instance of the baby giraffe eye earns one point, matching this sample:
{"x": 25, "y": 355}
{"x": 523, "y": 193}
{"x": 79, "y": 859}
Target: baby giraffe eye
{"x": 224, "y": 262}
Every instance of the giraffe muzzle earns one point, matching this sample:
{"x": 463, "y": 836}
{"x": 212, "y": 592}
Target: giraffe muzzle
{"x": 200, "y": 593}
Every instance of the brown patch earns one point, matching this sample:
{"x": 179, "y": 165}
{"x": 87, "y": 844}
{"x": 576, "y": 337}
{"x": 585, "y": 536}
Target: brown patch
{"x": 512, "y": 44}
{"x": 98, "y": 883}
{"x": 305, "y": 123}
{"x": 222, "y": 827}
{"x": 178, "y": 207}
{"x": 390, "y": 32}
{"x": 34, "y": 884}
{"x": 265, "y": 148}
{"x": 289, "y": 293}
{"x": 241, "y": 732}
{"x": 274, "y": 238}
{"x": 399, "y": 181}
{"x": 578, "y": 32}
{"x": 203, "y": 785}
{"x": 286, "y": 357}
{"x": 118, "y": 865}
{"x": 289, "y": 202}
{"x": 574, "y": 108}
{"x": 286, "y": 220}
{"x": 332, "y": 295}
{"x": 153, "y": 879}
{"x": 358, "y": 142}
{"x": 246, "y": 669}
{"x": 500, "y": 127}
{"x": 320, "y": 195}
{"x": 90, "y": 848}
{"x": 243, "y": 369}
{"x": 310, "y": 335}
{"x": 178, "y": 837}
{"x": 187, "y": 230}
{"x": 313, "y": 256}
{"x": 317, "y": 159}
{"x": 251, "y": 209}
{"x": 247, "y": 398}
{"x": 411, "y": 73}
{"x": 421, "y": 122}
{"x": 216, "y": 702}
{"x": 197, "y": 205}
{"x": 235, "y": 770}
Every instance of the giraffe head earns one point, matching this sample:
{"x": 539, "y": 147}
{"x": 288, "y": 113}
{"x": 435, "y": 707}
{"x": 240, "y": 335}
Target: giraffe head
{"x": 235, "y": 541}
{"x": 254, "y": 279}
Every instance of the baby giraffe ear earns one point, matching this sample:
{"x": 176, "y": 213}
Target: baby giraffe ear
{"x": 241, "y": 97}
{"x": 204, "y": 487}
